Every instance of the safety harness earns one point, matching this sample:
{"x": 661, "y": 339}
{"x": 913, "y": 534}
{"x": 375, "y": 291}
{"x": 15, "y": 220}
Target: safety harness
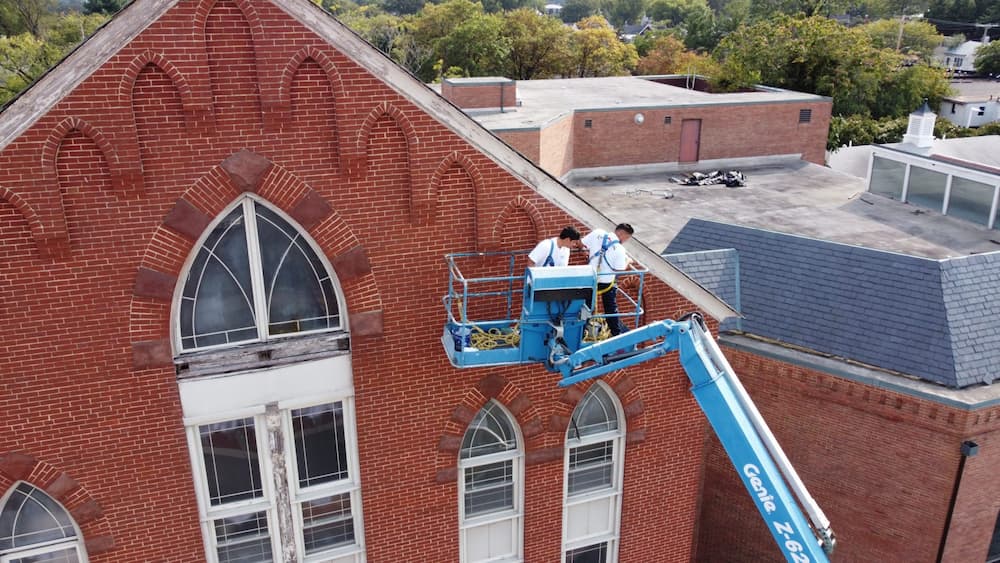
{"x": 549, "y": 261}
{"x": 606, "y": 244}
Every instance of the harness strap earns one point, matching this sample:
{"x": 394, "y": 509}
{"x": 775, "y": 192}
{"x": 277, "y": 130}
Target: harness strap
{"x": 549, "y": 261}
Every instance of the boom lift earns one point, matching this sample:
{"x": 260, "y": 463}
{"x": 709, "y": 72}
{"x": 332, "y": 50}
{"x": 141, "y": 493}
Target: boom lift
{"x": 557, "y": 326}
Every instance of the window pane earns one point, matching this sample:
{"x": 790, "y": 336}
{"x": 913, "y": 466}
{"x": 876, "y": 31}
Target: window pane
{"x": 489, "y": 488}
{"x": 591, "y": 467}
{"x": 327, "y": 522}
{"x": 68, "y": 555}
{"x": 320, "y": 444}
{"x": 299, "y": 291}
{"x": 591, "y": 554}
{"x": 243, "y": 539}
{"x": 595, "y": 414}
{"x": 970, "y": 200}
{"x": 31, "y": 517}
{"x": 926, "y": 188}
{"x": 887, "y": 178}
{"x": 231, "y": 463}
{"x": 490, "y": 432}
{"x": 217, "y": 303}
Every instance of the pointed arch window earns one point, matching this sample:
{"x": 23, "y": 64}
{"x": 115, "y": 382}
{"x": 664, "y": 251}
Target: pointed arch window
{"x": 255, "y": 277}
{"x": 595, "y": 444}
{"x": 491, "y": 488}
{"x": 34, "y": 528}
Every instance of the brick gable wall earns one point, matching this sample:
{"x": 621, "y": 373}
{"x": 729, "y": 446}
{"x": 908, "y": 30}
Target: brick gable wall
{"x": 102, "y": 200}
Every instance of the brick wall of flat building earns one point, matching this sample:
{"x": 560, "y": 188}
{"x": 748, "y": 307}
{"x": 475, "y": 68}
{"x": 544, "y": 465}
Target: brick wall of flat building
{"x": 880, "y": 464}
{"x": 525, "y": 142}
{"x": 102, "y": 200}
{"x": 557, "y": 147}
{"x": 480, "y": 93}
{"x": 727, "y": 131}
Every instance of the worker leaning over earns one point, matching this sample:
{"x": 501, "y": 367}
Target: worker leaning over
{"x": 555, "y": 251}
{"x": 607, "y": 255}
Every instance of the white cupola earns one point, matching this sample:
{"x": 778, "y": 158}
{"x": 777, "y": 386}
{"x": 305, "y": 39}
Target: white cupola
{"x": 920, "y": 131}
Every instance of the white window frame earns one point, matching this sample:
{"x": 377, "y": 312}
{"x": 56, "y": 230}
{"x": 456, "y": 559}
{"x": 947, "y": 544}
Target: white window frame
{"x": 46, "y": 547}
{"x": 515, "y": 515}
{"x": 297, "y": 386}
{"x": 247, "y": 201}
{"x": 612, "y": 495}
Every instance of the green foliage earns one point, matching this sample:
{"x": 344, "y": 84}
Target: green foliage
{"x": 539, "y": 45}
{"x": 765, "y": 9}
{"x": 20, "y": 16}
{"x": 477, "y": 46}
{"x": 595, "y": 50}
{"x": 106, "y": 7}
{"x": 988, "y": 59}
{"x": 918, "y": 40}
{"x": 667, "y": 55}
{"x": 621, "y": 12}
{"x": 858, "y": 130}
{"x": 820, "y": 56}
{"x": 24, "y": 57}
{"x": 577, "y": 10}
{"x": 402, "y": 7}
{"x": 964, "y": 10}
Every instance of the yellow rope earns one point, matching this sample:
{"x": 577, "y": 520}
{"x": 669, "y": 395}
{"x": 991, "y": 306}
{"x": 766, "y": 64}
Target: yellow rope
{"x": 596, "y": 330}
{"x": 606, "y": 289}
{"x": 494, "y": 338}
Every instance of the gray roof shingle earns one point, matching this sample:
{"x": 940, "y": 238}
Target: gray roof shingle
{"x": 936, "y": 320}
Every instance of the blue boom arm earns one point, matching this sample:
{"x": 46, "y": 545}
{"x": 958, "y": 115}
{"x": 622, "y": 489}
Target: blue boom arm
{"x": 557, "y": 307}
{"x": 720, "y": 397}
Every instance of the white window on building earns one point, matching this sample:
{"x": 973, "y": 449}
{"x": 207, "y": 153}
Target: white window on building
{"x": 36, "y": 528}
{"x": 595, "y": 457}
{"x": 272, "y": 438}
{"x": 491, "y": 490}
{"x": 254, "y": 278}
{"x": 281, "y": 480}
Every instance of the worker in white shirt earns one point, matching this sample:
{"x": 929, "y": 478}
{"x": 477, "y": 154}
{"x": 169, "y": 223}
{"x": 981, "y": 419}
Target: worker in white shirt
{"x": 555, "y": 251}
{"x": 607, "y": 256}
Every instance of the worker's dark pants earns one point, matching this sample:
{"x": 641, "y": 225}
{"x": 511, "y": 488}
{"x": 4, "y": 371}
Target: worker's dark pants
{"x": 609, "y": 298}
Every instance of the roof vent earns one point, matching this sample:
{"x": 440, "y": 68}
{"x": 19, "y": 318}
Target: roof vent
{"x": 920, "y": 131}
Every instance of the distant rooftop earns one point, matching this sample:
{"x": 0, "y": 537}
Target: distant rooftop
{"x": 785, "y": 195}
{"x": 542, "y": 101}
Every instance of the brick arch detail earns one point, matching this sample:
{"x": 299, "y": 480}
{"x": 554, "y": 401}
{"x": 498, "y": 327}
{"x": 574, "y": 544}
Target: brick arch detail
{"x": 423, "y": 203}
{"x": 625, "y": 390}
{"x": 140, "y": 62}
{"x": 358, "y": 161}
{"x": 257, "y": 37}
{"x": 278, "y": 112}
{"x": 38, "y": 232}
{"x": 50, "y": 152}
{"x": 517, "y": 204}
{"x": 84, "y": 508}
{"x": 517, "y": 403}
{"x": 167, "y": 252}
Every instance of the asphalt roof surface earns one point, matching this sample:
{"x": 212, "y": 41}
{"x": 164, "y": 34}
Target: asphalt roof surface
{"x": 785, "y": 195}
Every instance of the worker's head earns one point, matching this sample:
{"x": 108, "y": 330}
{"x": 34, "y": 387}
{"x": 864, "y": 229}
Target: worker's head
{"x": 569, "y": 237}
{"x": 624, "y": 231}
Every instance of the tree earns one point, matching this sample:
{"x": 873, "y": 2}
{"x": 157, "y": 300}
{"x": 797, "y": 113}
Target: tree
{"x": 988, "y": 59}
{"x": 577, "y": 10}
{"x": 819, "y": 56}
{"x": 918, "y": 39}
{"x": 595, "y": 50}
{"x": 539, "y": 45}
{"x": 106, "y": 7}
{"x": 477, "y": 46}
{"x": 621, "y": 12}
{"x": 668, "y": 56}
{"x": 27, "y": 14}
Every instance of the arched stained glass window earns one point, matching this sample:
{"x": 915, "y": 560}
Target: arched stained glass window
{"x": 36, "y": 528}
{"x": 255, "y": 276}
{"x": 491, "y": 488}
{"x": 594, "y": 462}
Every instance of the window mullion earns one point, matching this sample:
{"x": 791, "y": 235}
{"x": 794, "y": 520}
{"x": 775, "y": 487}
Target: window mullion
{"x": 256, "y": 269}
{"x": 277, "y": 461}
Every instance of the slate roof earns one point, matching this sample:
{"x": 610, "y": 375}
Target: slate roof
{"x": 717, "y": 271}
{"x": 937, "y": 320}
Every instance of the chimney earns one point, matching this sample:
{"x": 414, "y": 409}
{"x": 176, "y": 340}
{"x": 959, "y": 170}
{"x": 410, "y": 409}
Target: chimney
{"x": 920, "y": 131}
